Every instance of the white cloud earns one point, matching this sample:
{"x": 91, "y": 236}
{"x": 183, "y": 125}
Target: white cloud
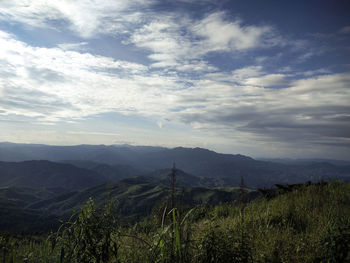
{"x": 222, "y": 35}
{"x": 315, "y": 72}
{"x": 269, "y": 80}
{"x": 94, "y": 133}
{"x": 85, "y": 17}
{"x": 296, "y": 111}
{"x": 181, "y": 84}
{"x": 181, "y": 42}
{"x": 248, "y": 72}
{"x": 73, "y": 46}
{"x": 238, "y": 76}
{"x": 51, "y": 84}
{"x": 176, "y": 41}
{"x": 163, "y": 38}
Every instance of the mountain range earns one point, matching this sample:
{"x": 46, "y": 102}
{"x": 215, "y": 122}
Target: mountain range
{"x": 116, "y": 162}
{"x": 40, "y": 184}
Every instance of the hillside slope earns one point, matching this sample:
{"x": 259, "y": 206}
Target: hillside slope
{"x": 309, "y": 224}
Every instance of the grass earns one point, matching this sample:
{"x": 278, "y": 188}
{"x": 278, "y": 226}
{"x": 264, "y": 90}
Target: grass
{"x": 308, "y": 224}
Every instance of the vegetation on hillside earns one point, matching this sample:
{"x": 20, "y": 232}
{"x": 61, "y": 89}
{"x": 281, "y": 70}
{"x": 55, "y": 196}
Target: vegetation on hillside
{"x": 310, "y": 223}
{"x": 31, "y": 210}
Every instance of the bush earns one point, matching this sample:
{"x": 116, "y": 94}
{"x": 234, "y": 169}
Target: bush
{"x": 91, "y": 238}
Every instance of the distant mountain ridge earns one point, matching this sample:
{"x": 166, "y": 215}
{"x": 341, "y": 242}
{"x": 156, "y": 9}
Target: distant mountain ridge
{"x": 40, "y": 183}
{"x": 111, "y": 154}
{"x": 121, "y": 161}
{"x": 47, "y": 174}
{"x": 305, "y": 161}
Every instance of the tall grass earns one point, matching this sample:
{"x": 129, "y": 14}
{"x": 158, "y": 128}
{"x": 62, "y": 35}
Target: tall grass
{"x": 309, "y": 224}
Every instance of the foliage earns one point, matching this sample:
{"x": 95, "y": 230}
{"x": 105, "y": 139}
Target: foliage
{"x": 307, "y": 224}
{"x": 91, "y": 237}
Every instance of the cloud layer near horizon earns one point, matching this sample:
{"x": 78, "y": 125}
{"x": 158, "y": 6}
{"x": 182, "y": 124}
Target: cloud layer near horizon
{"x": 179, "y": 80}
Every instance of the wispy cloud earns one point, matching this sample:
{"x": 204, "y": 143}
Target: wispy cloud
{"x": 309, "y": 110}
{"x": 85, "y": 17}
{"x": 181, "y": 42}
{"x": 52, "y": 84}
{"x": 344, "y": 30}
{"x": 94, "y": 133}
{"x": 37, "y": 78}
{"x": 73, "y": 46}
{"x": 184, "y": 76}
{"x": 269, "y": 80}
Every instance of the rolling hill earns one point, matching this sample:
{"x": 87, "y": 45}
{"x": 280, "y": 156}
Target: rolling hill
{"x": 32, "y": 209}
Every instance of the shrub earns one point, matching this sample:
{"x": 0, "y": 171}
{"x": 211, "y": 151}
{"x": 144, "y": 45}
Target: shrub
{"x": 90, "y": 238}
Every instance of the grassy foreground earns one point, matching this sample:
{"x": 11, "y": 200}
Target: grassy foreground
{"x": 309, "y": 224}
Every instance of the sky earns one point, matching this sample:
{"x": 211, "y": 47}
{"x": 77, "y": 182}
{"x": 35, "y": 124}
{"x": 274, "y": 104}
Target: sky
{"x": 260, "y": 78}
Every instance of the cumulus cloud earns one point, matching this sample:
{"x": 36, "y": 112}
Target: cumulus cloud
{"x": 221, "y": 35}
